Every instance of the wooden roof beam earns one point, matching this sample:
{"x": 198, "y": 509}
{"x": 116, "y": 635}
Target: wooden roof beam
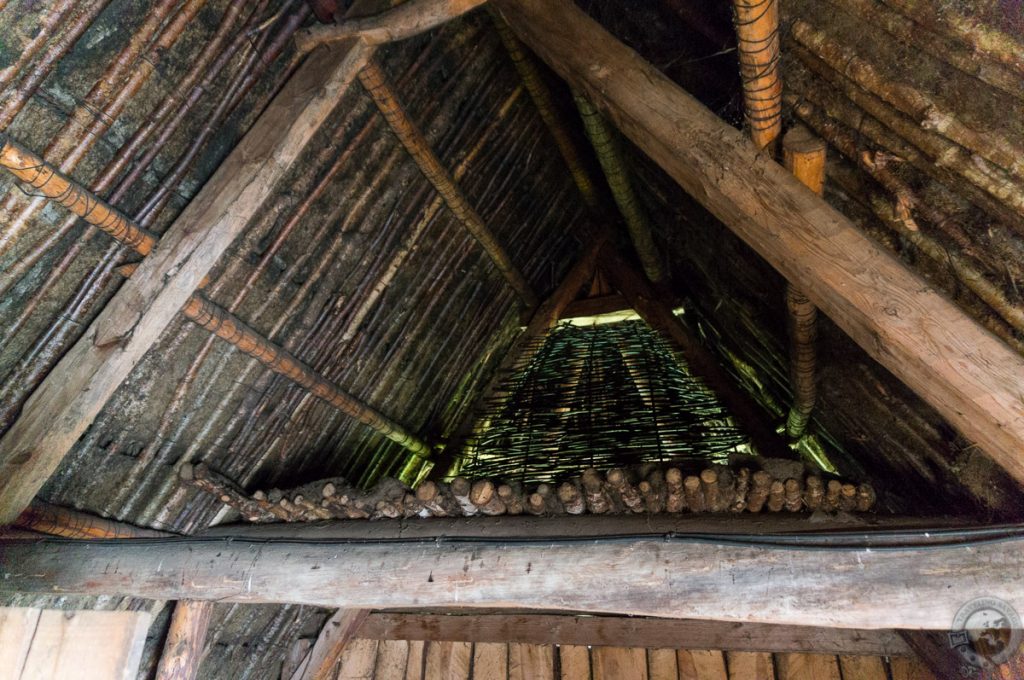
{"x": 752, "y": 580}
{"x": 954, "y": 364}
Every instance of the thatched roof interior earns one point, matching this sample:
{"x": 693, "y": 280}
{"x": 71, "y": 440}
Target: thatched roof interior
{"x": 354, "y": 265}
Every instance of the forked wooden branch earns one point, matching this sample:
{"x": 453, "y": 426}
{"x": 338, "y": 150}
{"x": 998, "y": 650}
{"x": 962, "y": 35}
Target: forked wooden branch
{"x": 405, "y": 21}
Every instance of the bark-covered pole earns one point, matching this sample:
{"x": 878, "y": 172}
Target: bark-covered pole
{"x": 374, "y": 80}
{"x": 541, "y": 96}
{"x": 228, "y": 327}
{"x": 803, "y": 154}
{"x": 31, "y": 168}
{"x": 610, "y": 156}
{"x": 757, "y": 39}
{"x": 53, "y": 184}
{"x": 757, "y": 42}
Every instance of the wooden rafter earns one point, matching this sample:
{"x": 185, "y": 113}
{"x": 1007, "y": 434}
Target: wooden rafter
{"x": 376, "y": 84}
{"x": 954, "y": 364}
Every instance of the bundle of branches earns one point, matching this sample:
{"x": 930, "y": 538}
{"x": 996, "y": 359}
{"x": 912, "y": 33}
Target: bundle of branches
{"x": 598, "y": 396}
{"x": 779, "y": 485}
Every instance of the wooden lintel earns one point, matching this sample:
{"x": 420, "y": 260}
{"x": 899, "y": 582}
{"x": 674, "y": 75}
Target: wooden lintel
{"x": 595, "y": 306}
{"x": 617, "y": 631}
{"x": 752, "y": 580}
{"x": 71, "y": 396}
{"x": 952, "y": 362}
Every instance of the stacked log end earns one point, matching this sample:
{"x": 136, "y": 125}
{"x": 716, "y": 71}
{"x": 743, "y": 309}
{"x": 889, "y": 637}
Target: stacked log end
{"x": 646, "y": 489}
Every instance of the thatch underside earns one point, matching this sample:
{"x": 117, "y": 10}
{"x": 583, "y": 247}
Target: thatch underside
{"x": 356, "y": 266}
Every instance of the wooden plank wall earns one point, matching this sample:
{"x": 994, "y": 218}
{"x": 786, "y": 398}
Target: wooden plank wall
{"x": 86, "y": 645}
{"x": 420, "y": 660}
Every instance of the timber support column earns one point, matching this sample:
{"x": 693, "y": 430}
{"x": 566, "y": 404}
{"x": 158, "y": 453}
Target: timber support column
{"x": 803, "y": 154}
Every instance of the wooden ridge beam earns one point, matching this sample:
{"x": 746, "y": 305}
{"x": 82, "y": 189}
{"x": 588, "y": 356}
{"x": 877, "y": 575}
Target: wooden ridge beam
{"x": 949, "y": 360}
{"x": 71, "y": 396}
{"x": 616, "y": 631}
{"x": 896, "y": 587}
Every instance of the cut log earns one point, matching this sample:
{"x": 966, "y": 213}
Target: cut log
{"x": 898, "y": 587}
{"x": 954, "y": 364}
{"x": 186, "y": 640}
{"x": 71, "y": 396}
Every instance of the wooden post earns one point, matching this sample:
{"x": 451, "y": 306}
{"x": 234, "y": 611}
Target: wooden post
{"x": 71, "y": 396}
{"x": 959, "y": 368}
{"x": 757, "y": 44}
{"x": 373, "y": 79}
{"x": 405, "y": 21}
{"x": 857, "y": 587}
{"x": 335, "y": 635}
{"x": 186, "y": 639}
{"x": 803, "y": 154}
